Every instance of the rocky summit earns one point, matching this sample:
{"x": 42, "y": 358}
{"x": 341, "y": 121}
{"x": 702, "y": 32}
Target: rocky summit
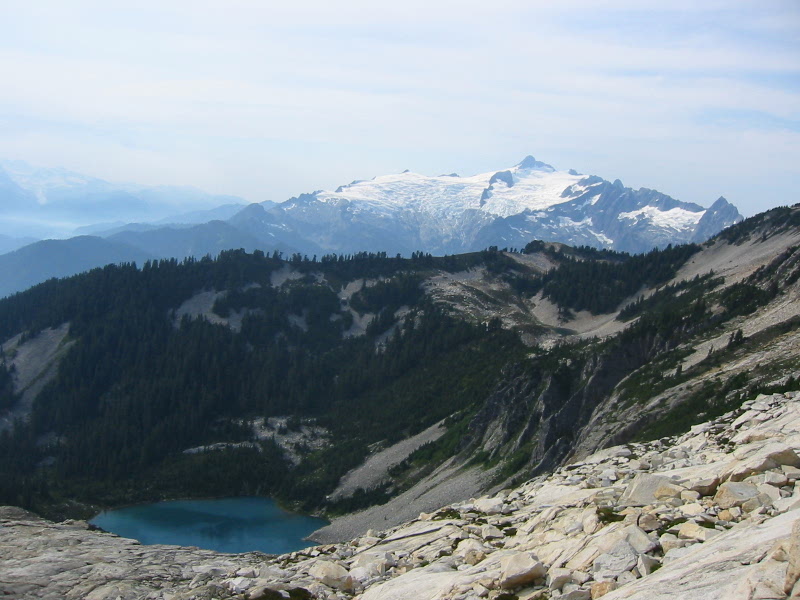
{"x": 711, "y": 514}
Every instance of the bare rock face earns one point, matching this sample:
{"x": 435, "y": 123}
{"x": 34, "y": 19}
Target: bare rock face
{"x": 679, "y": 518}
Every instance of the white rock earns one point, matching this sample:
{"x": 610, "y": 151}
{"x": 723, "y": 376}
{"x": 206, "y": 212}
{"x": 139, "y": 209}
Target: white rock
{"x": 757, "y": 458}
{"x": 240, "y": 584}
{"x": 519, "y": 569}
{"x": 622, "y": 557}
{"x": 786, "y": 504}
{"x": 557, "y": 577}
{"x": 638, "y": 539}
{"x": 769, "y": 490}
{"x": 589, "y": 520}
{"x": 640, "y": 492}
{"x": 645, "y": 564}
{"x": 693, "y": 531}
{"x": 490, "y": 532}
{"x": 733, "y": 493}
{"x": 692, "y": 509}
{"x": 417, "y": 584}
{"x": 490, "y": 506}
{"x": 331, "y": 574}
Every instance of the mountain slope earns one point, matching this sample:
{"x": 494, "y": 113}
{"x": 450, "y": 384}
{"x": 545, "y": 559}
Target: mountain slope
{"x": 42, "y": 260}
{"x": 528, "y": 359}
{"x": 199, "y": 240}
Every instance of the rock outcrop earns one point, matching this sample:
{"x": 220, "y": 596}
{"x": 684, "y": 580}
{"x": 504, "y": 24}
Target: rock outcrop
{"x": 709, "y": 514}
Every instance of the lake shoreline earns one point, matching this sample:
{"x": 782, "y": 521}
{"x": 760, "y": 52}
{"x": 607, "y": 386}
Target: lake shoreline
{"x": 236, "y": 524}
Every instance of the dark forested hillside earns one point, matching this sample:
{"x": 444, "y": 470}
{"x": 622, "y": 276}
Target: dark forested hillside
{"x": 141, "y": 385}
{"x": 251, "y": 373}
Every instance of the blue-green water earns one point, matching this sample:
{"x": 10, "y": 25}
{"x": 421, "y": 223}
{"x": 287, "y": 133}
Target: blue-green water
{"x": 225, "y": 525}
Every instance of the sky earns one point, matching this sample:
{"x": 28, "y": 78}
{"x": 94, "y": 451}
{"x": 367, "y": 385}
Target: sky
{"x": 268, "y": 100}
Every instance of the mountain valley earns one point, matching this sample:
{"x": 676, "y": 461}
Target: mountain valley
{"x": 371, "y": 388}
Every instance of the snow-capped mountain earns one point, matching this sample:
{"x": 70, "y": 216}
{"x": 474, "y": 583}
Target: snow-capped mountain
{"x": 448, "y": 214}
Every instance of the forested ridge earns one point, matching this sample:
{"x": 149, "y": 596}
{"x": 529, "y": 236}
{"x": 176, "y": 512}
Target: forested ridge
{"x": 139, "y": 385}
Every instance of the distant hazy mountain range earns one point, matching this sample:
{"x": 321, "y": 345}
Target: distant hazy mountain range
{"x": 400, "y": 213}
{"x": 52, "y": 202}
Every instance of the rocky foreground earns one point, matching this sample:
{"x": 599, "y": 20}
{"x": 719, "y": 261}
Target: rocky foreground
{"x": 710, "y": 514}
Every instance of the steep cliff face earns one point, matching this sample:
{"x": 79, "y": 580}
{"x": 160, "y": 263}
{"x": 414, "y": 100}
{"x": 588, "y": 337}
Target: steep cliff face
{"x": 541, "y": 408}
{"x": 706, "y": 342}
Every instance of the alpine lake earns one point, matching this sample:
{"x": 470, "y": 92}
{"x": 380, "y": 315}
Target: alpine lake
{"x": 231, "y": 525}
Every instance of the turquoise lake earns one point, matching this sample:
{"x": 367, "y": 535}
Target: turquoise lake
{"x": 225, "y": 525}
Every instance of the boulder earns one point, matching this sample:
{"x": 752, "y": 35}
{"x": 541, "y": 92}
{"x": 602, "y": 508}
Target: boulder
{"x": 668, "y": 490}
{"x": 648, "y": 522}
{"x": 692, "y": 509}
{"x": 557, "y": 577}
{"x": 490, "y": 532}
{"x": 490, "y": 506}
{"x": 519, "y": 569}
{"x": 693, "y": 531}
{"x": 622, "y": 557}
{"x": 416, "y": 584}
{"x": 641, "y": 491}
{"x": 705, "y": 487}
{"x": 471, "y": 550}
{"x": 645, "y": 564}
{"x": 638, "y": 539}
{"x": 330, "y": 574}
{"x": 757, "y": 460}
{"x": 732, "y": 493}
{"x": 601, "y": 588}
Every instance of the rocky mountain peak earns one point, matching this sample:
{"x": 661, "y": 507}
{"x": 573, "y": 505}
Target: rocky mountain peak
{"x": 530, "y": 163}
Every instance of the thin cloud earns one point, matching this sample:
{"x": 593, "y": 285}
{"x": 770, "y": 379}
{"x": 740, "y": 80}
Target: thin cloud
{"x": 231, "y": 94}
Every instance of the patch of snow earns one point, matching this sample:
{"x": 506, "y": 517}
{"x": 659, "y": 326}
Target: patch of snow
{"x": 445, "y": 197}
{"x": 675, "y": 218}
{"x": 604, "y": 239}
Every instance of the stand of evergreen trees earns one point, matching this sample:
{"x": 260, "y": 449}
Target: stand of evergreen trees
{"x": 138, "y": 387}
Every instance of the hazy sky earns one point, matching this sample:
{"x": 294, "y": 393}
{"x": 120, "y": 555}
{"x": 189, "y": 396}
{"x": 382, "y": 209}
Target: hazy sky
{"x": 267, "y": 100}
